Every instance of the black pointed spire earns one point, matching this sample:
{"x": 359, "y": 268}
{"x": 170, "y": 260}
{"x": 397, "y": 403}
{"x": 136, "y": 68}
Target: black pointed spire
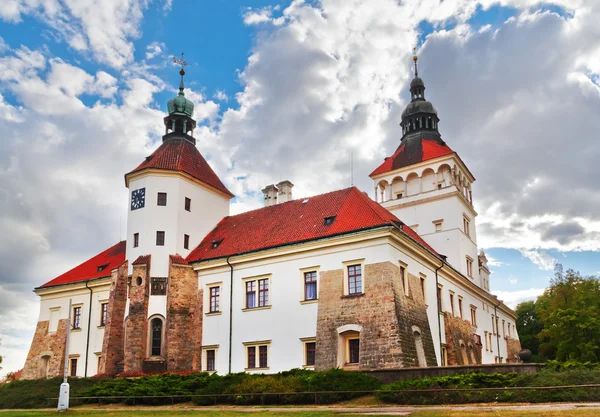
{"x": 419, "y": 115}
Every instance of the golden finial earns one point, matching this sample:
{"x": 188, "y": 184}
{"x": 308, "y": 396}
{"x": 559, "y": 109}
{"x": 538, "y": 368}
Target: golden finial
{"x": 415, "y": 59}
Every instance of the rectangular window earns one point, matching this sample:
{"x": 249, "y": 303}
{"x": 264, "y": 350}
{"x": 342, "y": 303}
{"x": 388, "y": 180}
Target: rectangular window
{"x": 310, "y": 285}
{"x": 162, "y": 199}
{"x": 160, "y": 238}
{"x": 466, "y": 224}
{"x": 188, "y": 204}
{"x": 210, "y": 360}
{"x": 251, "y": 357}
{"x": 452, "y": 303}
{"x": 262, "y": 357}
{"x": 493, "y": 327}
{"x": 311, "y": 349}
{"x": 438, "y": 225}
{"x": 503, "y": 329}
{"x": 136, "y": 240}
{"x": 485, "y": 336}
{"x": 354, "y": 279}
{"x": 422, "y": 280}
{"x": 250, "y": 294}
{"x": 497, "y": 326}
{"x": 491, "y": 344}
{"x": 444, "y": 356}
{"x": 158, "y": 286}
{"x": 214, "y": 299}
{"x": 257, "y": 293}
{"x": 353, "y": 350}
{"x": 404, "y": 278}
{"x": 186, "y": 241}
{"x": 439, "y": 298}
{"x": 73, "y": 367}
{"x": 460, "y": 306}
{"x": 473, "y": 316}
{"x": 103, "y": 313}
{"x": 469, "y": 267}
{"x": 76, "y": 317}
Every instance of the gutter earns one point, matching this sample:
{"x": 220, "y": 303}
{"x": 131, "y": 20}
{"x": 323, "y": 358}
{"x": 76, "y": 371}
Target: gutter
{"x": 87, "y": 343}
{"x": 438, "y": 303}
{"x": 230, "y": 310}
{"x": 497, "y": 331}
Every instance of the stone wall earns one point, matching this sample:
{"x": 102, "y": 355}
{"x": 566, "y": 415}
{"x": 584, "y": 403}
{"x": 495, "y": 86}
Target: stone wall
{"x": 513, "y": 347}
{"x": 461, "y": 331}
{"x": 181, "y": 331}
{"x": 388, "y": 376}
{"x": 198, "y": 319}
{"x": 385, "y": 315}
{"x": 114, "y": 331}
{"x": 136, "y": 329}
{"x": 46, "y": 357}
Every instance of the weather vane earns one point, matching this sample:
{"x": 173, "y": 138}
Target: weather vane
{"x": 180, "y": 61}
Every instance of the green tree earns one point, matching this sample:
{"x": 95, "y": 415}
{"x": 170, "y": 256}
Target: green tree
{"x": 569, "y": 311}
{"x": 528, "y": 327}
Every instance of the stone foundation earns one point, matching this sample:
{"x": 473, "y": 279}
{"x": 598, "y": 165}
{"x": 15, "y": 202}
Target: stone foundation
{"x": 114, "y": 332}
{"x": 46, "y": 357}
{"x": 181, "y": 328}
{"x": 461, "y": 347}
{"x": 136, "y": 328}
{"x": 385, "y": 317}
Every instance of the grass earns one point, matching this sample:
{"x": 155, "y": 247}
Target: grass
{"x": 582, "y": 412}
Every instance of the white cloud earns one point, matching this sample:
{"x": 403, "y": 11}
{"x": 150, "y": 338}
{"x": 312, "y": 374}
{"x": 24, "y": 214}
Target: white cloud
{"x": 513, "y": 298}
{"x": 154, "y": 49}
{"x": 541, "y": 259}
{"x": 221, "y": 96}
{"x": 106, "y": 30}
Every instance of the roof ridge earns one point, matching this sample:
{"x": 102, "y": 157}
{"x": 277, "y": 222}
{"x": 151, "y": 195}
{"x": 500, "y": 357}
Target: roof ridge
{"x": 372, "y": 208}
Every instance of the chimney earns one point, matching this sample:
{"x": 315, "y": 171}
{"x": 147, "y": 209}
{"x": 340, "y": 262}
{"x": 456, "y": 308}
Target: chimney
{"x": 270, "y": 195}
{"x": 285, "y": 191}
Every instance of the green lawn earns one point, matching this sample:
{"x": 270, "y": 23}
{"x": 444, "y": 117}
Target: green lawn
{"x": 258, "y": 413}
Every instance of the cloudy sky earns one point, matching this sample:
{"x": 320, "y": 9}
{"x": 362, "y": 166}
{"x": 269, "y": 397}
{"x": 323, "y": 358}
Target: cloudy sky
{"x": 290, "y": 90}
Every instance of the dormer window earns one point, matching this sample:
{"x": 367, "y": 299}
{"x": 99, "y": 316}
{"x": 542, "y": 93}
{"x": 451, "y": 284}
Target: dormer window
{"x": 102, "y": 268}
{"x": 328, "y": 220}
{"x": 216, "y": 243}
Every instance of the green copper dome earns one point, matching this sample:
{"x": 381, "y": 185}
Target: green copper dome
{"x": 180, "y": 104}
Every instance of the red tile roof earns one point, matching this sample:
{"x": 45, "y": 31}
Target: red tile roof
{"x": 177, "y": 259}
{"x": 418, "y": 151}
{"x": 142, "y": 260}
{"x": 181, "y": 155}
{"x": 297, "y": 221}
{"x": 110, "y": 259}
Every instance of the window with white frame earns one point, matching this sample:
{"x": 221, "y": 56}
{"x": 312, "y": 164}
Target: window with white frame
{"x": 310, "y": 351}
{"x": 209, "y": 358}
{"x": 310, "y": 285}
{"x": 257, "y": 355}
{"x": 355, "y": 281}
{"x": 257, "y": 292}
{"x": 214, "y": 298}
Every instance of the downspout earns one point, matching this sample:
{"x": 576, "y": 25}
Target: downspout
{"x": 438, "y": 302}
{"x": 497, "y": 331}
{"x": 230, "y": 310}
{"x": 87, "y": 343}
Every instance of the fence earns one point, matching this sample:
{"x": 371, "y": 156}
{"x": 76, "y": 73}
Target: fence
{"x": 589, "y": 392}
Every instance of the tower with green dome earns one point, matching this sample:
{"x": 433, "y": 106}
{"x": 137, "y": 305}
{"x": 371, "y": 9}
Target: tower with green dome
{"x": 179, "y": 122}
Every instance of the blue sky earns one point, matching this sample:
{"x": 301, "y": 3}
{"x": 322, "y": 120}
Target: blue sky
{"x": 292, "y": 89}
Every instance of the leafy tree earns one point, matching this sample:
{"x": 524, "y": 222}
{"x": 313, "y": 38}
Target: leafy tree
{"x": 569, "y": 311}
{"x": 529, "y": 326}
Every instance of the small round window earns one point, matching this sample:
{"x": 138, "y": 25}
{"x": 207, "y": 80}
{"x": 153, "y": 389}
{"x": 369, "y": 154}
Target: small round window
{"x": 138, "y": 281}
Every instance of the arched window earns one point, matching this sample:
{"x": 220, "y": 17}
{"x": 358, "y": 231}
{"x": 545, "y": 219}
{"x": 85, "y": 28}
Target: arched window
{"x": 156, "y": 328}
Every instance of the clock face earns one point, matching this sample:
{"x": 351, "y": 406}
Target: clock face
{"x": 138, "y": 198}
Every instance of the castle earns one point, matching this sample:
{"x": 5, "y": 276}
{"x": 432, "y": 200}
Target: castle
{"x": 333, "y": 280}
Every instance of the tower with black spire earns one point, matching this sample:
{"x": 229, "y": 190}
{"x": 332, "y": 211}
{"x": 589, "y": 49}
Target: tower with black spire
{"x": 428, "y": 186}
